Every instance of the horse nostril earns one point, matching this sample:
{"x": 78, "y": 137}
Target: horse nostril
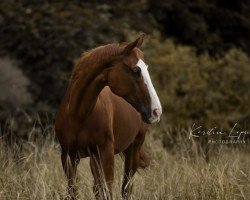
{"x": 155, "y": 112}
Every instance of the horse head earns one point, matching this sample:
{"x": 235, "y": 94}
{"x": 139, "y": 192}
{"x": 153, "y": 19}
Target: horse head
{"x": 128, "y": 77}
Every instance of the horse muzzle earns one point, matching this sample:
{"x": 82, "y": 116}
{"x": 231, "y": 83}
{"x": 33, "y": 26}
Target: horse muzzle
{"x": 150, "y": 116}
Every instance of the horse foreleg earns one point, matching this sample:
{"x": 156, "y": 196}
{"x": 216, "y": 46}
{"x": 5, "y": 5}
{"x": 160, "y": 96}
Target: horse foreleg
{"x": 94, "y": 166}
{"x": 132, "y": 162}
{"x": 69, "y": 163}
{"x": 131, "y": 165}
{"x": 102, "y": 167}
{"x": 144, "y": 159}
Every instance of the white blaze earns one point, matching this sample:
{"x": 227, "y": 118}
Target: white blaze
{"x": 155, "y": 102}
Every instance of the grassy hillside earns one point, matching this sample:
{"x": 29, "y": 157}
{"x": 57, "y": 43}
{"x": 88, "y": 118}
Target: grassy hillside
{"x": 37, "y": 173}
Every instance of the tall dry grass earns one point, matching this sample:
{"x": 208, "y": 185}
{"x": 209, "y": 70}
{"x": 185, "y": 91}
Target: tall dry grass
{"x": 36, "y": 173}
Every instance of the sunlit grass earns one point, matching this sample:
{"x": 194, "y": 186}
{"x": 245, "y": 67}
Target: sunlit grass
{"x": 37, "y": 174}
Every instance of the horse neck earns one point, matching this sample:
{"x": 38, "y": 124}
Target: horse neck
{"x": 88, "y": 80}
{"x": 89, "y": 97}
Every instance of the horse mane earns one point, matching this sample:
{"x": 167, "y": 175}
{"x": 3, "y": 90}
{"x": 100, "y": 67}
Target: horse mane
{"x": 103, "y": 51}
{"x": 88, "y": 66}
{"x": 93, "y": 57}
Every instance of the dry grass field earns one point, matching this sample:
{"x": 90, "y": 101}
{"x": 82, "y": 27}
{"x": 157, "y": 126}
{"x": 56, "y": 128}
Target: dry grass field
{"x": 37, "y": 173}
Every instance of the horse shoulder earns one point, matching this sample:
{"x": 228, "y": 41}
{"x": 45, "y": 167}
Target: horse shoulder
{"x": 98, "y": 124}
{"x": 126, "y": 122}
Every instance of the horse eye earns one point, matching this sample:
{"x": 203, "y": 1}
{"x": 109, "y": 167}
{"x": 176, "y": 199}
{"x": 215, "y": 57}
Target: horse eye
{"x": 137, "y": 70}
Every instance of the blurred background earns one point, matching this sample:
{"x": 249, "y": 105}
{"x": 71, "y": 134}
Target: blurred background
{"x": 198, "y": 56}
{"x": 198, "y": 53}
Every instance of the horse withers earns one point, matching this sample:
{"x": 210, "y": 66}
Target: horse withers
{"x": 105, "y": 111}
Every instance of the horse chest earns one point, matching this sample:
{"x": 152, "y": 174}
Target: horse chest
{"x": 125, "y": 132}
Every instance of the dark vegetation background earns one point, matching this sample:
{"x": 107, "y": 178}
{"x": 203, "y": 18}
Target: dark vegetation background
{"x": 198, "y": 53}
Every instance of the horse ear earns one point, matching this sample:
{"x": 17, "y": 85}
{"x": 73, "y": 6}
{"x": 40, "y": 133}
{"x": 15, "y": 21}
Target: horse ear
{"x": 137, "y": 43}
{"x": 140, "y": 40}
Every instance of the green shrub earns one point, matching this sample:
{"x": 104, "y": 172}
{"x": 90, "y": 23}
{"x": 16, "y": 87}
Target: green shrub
{"x": 203, "y": 89}
{"x": 49, "y": 36}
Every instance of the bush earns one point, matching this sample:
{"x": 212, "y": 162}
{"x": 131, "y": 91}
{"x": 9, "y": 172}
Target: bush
{"x": 14, "y": 99}
{"x": 202, "y": 89}
{"x": 213, "y": 26}
{"x": 13, "y": 86}
{"x": 48, "y": 36}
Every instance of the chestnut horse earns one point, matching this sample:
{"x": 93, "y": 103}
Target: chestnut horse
{"x": 107, "y": 106}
